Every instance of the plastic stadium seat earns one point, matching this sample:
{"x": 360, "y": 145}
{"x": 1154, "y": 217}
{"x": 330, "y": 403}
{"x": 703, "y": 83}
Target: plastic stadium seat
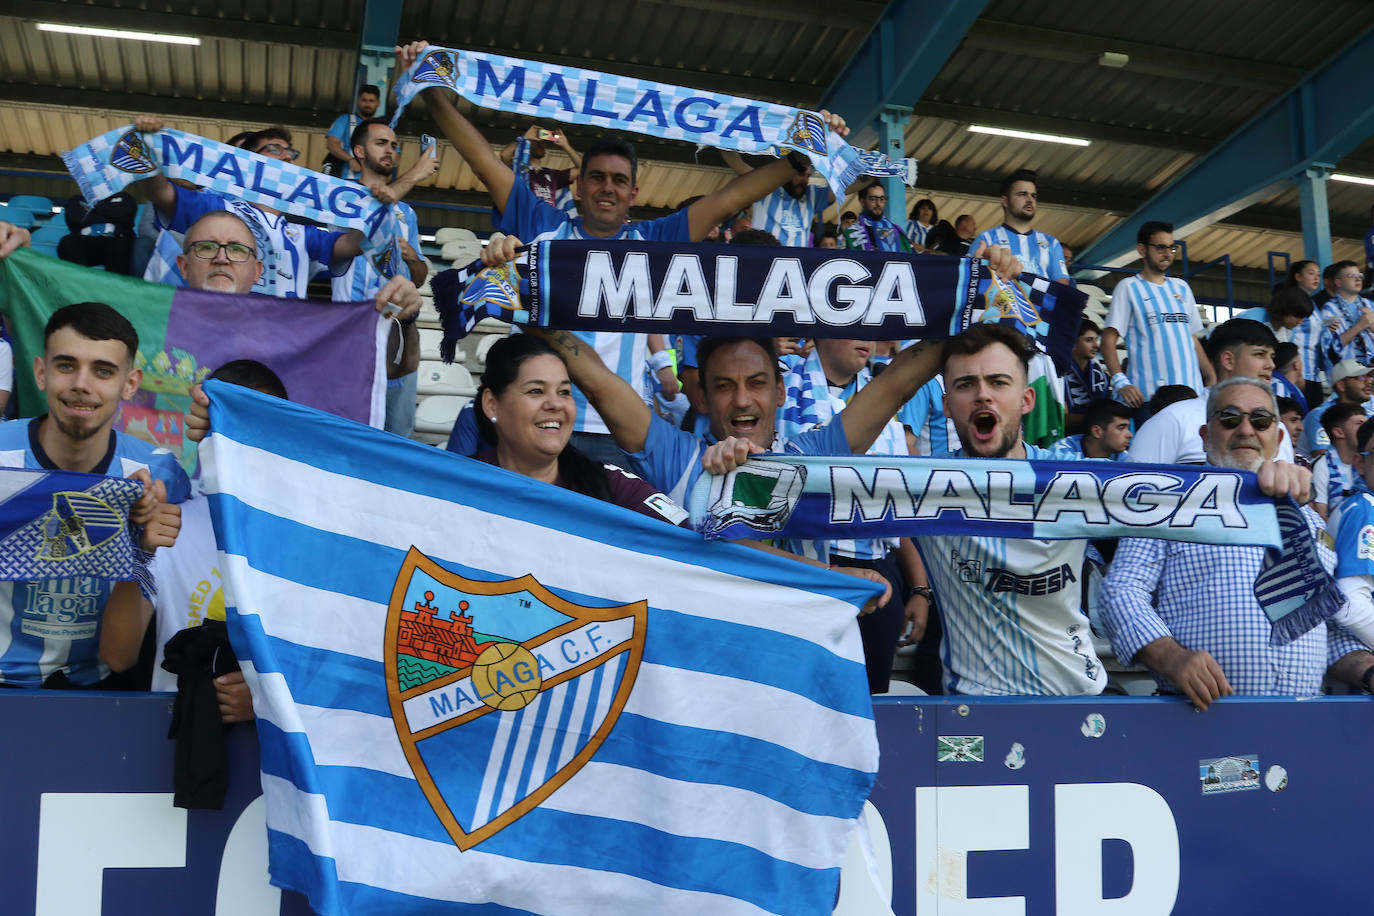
{"x": 446, "y": 235}
{"x": 40, "y": 207}
{"x": 47, "y": 236}
{"x": 429, "y": 343}
{"x": 485, "y": 347}
{"x": 19, "y": 216}
{"x": 461, "y": 254}
{"x": 435, "y": 415}
{"x": 438, "y": 378}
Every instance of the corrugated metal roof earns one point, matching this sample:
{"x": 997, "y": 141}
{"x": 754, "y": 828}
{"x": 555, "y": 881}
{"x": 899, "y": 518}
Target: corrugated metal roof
{"x": 294, "y": 61}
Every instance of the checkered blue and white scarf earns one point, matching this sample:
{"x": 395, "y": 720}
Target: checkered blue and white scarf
{"x": 112, "y": 161}
{"x": 577, "y": 96}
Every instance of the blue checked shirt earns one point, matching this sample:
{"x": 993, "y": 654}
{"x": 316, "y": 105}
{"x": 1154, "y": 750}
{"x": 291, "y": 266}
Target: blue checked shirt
{"x": 1203, "y": 596}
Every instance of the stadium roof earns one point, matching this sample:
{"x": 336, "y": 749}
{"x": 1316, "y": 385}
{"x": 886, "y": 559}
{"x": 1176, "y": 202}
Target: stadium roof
{"x": 1177, "y": 79}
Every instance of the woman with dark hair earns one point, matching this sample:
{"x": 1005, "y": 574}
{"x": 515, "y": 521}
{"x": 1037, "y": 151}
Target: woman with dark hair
{"x": 525, "y": 412}
{"x": 923, "y": 218}
{"x": 1289, "y": 307}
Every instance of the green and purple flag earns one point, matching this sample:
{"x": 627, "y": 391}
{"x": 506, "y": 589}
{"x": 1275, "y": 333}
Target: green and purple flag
{"x": 329, "y": 355}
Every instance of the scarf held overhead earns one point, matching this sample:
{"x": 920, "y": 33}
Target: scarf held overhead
{"x": 696, "y": 288}
{"x": 112, "y": 161}
{"x": 577, "y": 96}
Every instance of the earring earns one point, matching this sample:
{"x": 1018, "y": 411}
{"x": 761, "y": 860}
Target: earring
{"x": 493, "y": 419}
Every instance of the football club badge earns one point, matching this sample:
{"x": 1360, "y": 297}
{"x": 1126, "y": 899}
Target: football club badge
{"x": 501, "y": 691}
{"x": 760, "y": 494}
{"x": 131, "y": 154}
{"x": 77, "y": 524}
{"x": 437, "y": 67}
{"x": 807, "y": 133}
{"x": 385, "y": 258}
{"x": 494, "y": 292}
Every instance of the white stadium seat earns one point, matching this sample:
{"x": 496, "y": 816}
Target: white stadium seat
{"x": 448, "y": 234}
{"x": 437, "y": 378}
{"x": 434, "y": 415}
{"x": 430, "y": 338}
{"x": 462, "y": 252}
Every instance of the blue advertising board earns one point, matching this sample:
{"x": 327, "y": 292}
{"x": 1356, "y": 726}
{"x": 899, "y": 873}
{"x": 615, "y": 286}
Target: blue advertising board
{"x": 1036, "y": 806}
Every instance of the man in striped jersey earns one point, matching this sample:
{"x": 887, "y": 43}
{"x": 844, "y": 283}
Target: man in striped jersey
{"x": 1010, "y": 607}
{"x": 1158, "y": 316}
{"x": 374, "y": 145}
{"x": 607, "y": 186}
{"x": 788, "y": 212}
{"x": 1040, "y": 254}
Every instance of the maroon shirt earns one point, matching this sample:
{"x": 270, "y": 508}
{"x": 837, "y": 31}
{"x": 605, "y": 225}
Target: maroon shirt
{"x": 628, "y": 492}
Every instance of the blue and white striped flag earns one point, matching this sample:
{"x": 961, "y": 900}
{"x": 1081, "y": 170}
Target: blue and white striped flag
{"x": 479, "y": 693}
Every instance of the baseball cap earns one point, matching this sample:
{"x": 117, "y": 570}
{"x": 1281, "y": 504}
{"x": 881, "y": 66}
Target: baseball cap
{"x": 1348, "y": 368}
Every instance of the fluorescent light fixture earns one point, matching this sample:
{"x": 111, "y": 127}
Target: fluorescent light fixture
{"x": 1028, "y": 135}
{"x": 1353, "y": 179}
{"x": 118, "y": 33}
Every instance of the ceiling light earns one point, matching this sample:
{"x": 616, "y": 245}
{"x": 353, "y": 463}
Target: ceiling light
{"x": 1028, "y": 135}
{"x": 1353, "y": 179}
{"x": 118, "y": 33}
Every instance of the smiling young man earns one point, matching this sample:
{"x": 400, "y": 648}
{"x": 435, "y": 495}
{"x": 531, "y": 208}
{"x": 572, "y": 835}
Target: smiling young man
{"x": 75, "y": 632}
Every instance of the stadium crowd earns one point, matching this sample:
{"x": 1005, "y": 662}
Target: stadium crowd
{"x": 1284, "y": 391}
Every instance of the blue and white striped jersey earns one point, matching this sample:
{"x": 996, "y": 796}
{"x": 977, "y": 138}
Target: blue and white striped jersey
{"x": 361, "y": 280}
{"x": 1310, "y": 338}
{"x": 1158, "y": 321}
{"x": 916, "y": 233}
{"x": 1361, "y": 346}
{"x": 1011, "y": 612}
{"x": 1040, "y": 254}
{"x": 925, "y": 416}
{"x": 532, "y": 220}
{"x": 53, "y": 625}
{"x": 808, "y": 375}
{"x": 788, "y": 218}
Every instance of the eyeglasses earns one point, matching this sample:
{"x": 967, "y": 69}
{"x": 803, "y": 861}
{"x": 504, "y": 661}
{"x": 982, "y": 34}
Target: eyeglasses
{"x": 875, "y": 197}
{"x": 1348, "y": 276}
{"x": 276, "y": 149}
{"x": 208, "y": 250}
{"x": 1230, "y": 417}
{"x": 1171, "y": 249}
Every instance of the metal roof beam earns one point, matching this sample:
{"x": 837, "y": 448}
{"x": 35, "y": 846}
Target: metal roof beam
{"x": 202, "y": 26}
{"x": 247, "y": 114}
{"x": 1153, "y": 60}
{"x": 910, "y": 42}
{"x": 1319, "y": 121}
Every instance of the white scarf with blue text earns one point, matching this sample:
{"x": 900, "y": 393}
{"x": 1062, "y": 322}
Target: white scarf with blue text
{"x": 574, "y": 95}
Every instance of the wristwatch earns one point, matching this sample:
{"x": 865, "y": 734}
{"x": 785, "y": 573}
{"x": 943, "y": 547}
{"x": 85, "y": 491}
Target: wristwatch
{"x": 925, "y": 592}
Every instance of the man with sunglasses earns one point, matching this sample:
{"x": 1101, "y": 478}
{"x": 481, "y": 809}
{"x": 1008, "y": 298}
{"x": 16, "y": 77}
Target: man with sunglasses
{"x": 1159, "y": 316}
{"x": 1239, "y": 347}
{"x": 1189, "y": 611}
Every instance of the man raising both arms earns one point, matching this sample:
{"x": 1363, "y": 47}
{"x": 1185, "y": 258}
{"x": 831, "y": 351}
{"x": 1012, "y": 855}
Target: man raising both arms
{"x": 607, "y": 186}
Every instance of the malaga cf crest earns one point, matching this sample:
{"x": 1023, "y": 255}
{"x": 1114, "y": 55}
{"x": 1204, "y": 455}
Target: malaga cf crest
{"x": 501, "y": 691}
{"x": 807, "y": 133}
{"x": 131, "y": 154}
{"x": 438, "y": 67}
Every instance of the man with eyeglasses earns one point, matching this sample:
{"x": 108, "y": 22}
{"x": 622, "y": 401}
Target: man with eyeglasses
{"x": 872, "y": 231}
{"x": 1189, "y": 611}
{"x": 292, "y": 253}
{"x": 1158, "y": 317}
{"x": 1238, "y": 348}
{"x": 219, "y": 254}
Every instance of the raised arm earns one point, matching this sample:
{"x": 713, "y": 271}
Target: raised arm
{"x": 160, "y": 192}
{"x": 466, "y": 139}
{"x": 881, "y": 398}
{"x": 745, "y": 188}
